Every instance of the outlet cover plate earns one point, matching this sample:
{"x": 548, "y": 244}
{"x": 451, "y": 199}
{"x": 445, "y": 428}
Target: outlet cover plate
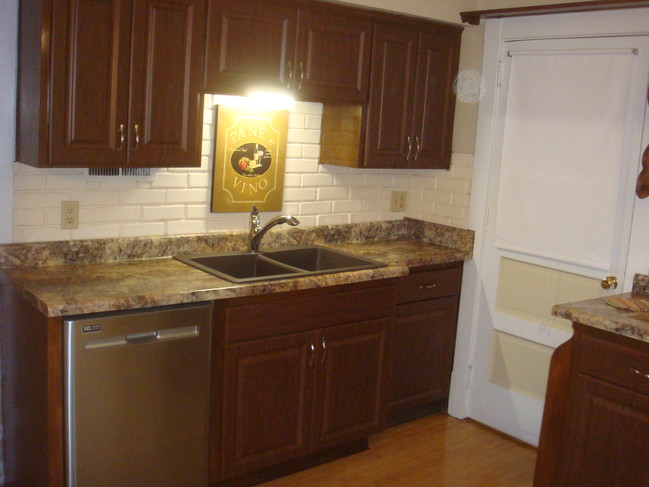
{"x": 69, "y": 215}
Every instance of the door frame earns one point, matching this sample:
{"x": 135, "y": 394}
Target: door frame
{"x": 471, "y": 344}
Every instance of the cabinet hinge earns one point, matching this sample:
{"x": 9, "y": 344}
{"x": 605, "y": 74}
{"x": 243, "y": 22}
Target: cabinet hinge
{"x": 500, "y": 74}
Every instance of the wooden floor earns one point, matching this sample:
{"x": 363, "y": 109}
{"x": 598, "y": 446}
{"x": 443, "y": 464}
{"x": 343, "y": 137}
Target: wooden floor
{"x": 434, "y": 451}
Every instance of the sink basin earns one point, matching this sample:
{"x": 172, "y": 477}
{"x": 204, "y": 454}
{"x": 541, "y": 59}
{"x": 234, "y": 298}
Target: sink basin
{"x": 239, "y": 266}
{"x": 280, "y": 263}
{"x": 320, "y": 259}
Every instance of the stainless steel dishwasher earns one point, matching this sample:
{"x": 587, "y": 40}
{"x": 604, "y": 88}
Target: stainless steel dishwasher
{"x": 136, "y": 398}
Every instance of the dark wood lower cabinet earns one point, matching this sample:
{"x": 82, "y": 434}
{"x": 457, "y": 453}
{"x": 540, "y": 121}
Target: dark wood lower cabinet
{"x": 595, "y": 429}
{"x": 303, "y": 373}
{"x": 424, "y": 339}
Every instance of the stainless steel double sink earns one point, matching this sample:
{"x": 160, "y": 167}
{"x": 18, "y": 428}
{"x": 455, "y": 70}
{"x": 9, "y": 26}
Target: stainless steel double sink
{"x": 281, "y": 263}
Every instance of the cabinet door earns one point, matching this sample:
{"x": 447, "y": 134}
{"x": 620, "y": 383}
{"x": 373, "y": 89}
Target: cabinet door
{"x": 350, "y": 394}
{"x": 333, "y": 57}
{"x": 424, "y": 345}
{"x": 250, "y": 43}
{"x": 607, "y": 436}
{"x": 267, "y": 402}
{"x": 434, "y": 102}
{"x": 89, "y": 82}
{"x": 394, "y": 58}
{"x": 165, "y": 103}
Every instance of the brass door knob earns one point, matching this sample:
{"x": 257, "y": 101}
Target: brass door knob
{"x": 609, "y": 282}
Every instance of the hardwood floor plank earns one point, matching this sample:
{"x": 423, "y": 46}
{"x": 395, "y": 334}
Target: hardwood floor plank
{"x": 435, "y": 451}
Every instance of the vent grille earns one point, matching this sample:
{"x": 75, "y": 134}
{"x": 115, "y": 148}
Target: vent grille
{"x": 116, "y": 171}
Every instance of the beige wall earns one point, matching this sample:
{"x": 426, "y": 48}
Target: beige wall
{"x": 491, "y": 4}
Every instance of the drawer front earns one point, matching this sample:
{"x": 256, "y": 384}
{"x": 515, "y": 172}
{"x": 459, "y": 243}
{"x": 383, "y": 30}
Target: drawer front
{"x": 248, "y": 321}
{"x": 431, "y": 284}
{"x": 614, "y": 363}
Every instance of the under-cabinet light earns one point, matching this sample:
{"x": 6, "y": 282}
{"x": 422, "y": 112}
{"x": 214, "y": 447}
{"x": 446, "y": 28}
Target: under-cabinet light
{"x": 263, "y": 100}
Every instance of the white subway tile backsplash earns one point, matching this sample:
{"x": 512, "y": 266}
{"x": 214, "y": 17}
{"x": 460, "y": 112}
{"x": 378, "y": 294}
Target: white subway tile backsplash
{"x": 26, "y": 217}
{"x": 143, "y": 196}
{"x": 313, "y": 122}
{"x": 170, "y": 180}
{"x": 315, "y": 208}
{"x": 186, "y": 227}
{"x": 167, "y": 212}
{"x": 347, "y": 206}
{"x": 311, "y": 151}
{"x": 112, "y": 214}
{"x": 332, "y": 219}
{"x": 187, "y": 195}
{"x": 333, "y": 193}
{"x": 176, "y": 201}
{"x": 294, "y": 194}
{"x": 304, "y": 136}
{"x": 319, "y": 180}
{"x": 142, "y": 229}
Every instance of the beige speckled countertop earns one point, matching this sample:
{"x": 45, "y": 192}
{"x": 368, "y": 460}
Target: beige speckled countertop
{"x": 70, "y": 278}
{"x": 597, "y": 313}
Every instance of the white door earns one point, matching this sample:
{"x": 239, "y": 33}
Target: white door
{"x": 561, "y": 194}
{"x": 565, "y": 148}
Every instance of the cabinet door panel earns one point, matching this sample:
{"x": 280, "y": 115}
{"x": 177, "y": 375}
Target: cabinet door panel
{"x": 168, "y": 42}
{"x": 90, "y": 65}
{"x": 606, "y": 436}
{"x": 434, "y": 105}
{"x": 333, "y": 57}
{"x": 249, "y": 43}
{"x": 394, "y": 57}
{"x": 424, "y": 345}
{"x": 350, "y": 387}
{"x": 267, "y": 402}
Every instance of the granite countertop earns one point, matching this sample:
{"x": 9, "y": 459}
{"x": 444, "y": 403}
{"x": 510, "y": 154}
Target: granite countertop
{"x": 597, "y": 313}
{"x": 80, "y": 277}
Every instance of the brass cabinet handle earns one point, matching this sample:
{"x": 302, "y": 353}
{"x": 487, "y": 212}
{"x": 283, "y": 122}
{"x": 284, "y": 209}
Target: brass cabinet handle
{"x": 289, "y": 68}
{"x": 637, "y": 372}
{"x": 136, "y": 129}
{"x": 609, "y": 282}
{"x": 122, "y": 137}
{"x": 427, "y": 286}
{"x": 409, "y": 142}
{"x": 312, "y": 348}
{"x": 301, "y": 69}
{"x": 324, "y": 350}
{"x": 417, "y": 147}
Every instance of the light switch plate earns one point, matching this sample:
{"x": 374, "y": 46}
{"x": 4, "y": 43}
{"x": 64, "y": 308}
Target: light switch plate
{"x": 398, "y": 201}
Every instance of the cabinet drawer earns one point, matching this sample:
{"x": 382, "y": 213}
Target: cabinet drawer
{"x": 614, "y": 363}
{"x": 435, "y": 283}
{"x": 252, "y": 320}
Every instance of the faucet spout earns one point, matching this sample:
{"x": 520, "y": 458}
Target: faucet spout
{"x": 257, "y": 231}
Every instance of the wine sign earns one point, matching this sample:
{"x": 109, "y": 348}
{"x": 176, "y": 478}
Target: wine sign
{"x": 249, "y": 159}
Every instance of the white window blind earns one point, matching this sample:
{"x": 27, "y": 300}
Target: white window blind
{"x": 563, "y": 146}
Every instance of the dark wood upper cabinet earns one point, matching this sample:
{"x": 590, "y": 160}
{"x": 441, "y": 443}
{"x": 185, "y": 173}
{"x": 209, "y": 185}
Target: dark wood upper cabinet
{"x": 110, "y": 83}
{"x": 249, "y": 43}
{"x": 321, "y": 53}
{"x": 394, "y": 64}
{"x": 332, "y": 60}
{"x": 412, "y": 105}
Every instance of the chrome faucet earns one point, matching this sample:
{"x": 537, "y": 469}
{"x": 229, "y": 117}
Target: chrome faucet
{"x": 257, "y": 231}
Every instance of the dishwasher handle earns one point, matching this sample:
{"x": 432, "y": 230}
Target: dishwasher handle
{"x": 144, "y": 337}
{"x": 163, "y": 335}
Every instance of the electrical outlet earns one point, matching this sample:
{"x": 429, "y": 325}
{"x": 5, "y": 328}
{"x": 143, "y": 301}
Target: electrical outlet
{"x": 69, "y": 215}
{"x": 398, "y": 201}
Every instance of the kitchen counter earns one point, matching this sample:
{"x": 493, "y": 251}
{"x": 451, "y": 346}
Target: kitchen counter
{"x": 69, "y": 278}
{"x": 598, "y": 314}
